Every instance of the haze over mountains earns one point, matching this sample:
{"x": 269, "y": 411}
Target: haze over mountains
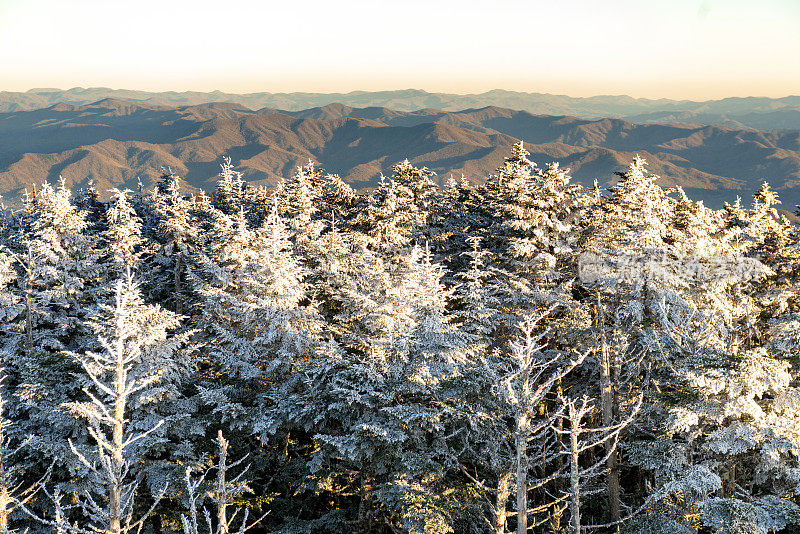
{"x": 754, "y": 112}
{"x": 113, "y": 142}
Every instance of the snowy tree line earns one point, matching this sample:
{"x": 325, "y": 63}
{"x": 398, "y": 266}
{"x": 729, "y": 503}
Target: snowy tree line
{"x": 526, "y": 355}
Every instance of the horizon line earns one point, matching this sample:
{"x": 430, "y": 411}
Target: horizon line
{"x": 34, "y": 90}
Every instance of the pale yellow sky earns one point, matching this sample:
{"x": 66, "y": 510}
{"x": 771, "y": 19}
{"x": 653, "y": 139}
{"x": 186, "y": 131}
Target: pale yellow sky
{"x": 695, "y": 49}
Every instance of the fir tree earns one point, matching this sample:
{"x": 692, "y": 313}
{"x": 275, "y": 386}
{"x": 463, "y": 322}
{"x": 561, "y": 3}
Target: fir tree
{"x": 256, "y": 320}
{"x": 123, "y": 237}
{"x": 230, "y": 194}
{"x": 137, "y": 356}
{"x": 174, "y": 229}
{"x": 398, "y": 208}
{"x": 374, "y": 405}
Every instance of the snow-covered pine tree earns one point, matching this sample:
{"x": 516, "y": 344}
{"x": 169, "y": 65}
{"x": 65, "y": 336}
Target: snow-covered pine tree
{"x": 536, "y": 225}
{"x": 138, "y": 355}
{"x": 12, "y": 305}
{"x": 741, "y": 412}
{"x": 338, "y": 199}
{"x": 539, "y": 220}
{"x": 398, "y": 209}
{"x": 61, "y": 257}
{"x": 230, "y": 194}
{"x": 374, "y": 402}
{"x": 485, "y": 442}
{"x": 514, "y": 175}
{"x": 57, "y": 289}
{"x": 772, "y": 239}
{"x": 338, "y": 261}
{"x": 680, "y": 295}
{"x": 543, "y": 222}
{"x": 633, "y": 290}
{"x": 88, "y": 200}
{"x": 457, "y": 214}
{"x": 304, "y": 190}
{"x": 417, "y": 180}
{"x": 478, "y": 297}
{"x": 637, "y": 212}
{"x": 174, "y": 227}
{"x": 123, "y": 237}
{"x": 256, "y": 319}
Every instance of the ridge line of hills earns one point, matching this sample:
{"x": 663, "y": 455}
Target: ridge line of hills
{"x": 114, "y": 141}
{"x": 755, "y": 112}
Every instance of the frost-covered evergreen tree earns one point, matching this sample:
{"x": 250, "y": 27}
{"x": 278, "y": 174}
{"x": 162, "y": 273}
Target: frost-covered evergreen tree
{"x": 374, "y": 405}
{"x": 764, "y": 234}
{"x": 683, "y": 291}
{"x": 304, "y": 191}
{"x": 479, "y": 299}
{"x": 637, "y": 212}
{"x": 536, "y": 226}
{"x": 256, "y": 319}
{"x": 88, "y": 200}
{"x": 457, "y": 214}
{"x": 61, "y": 259}
{"x": 174, "y": 229}
{"x": 398, "y": 208}
{"x": 56, "y": 289}
{"x": 634, "y": 285}
{"x": 339, "y": 199}
{"x": 12, "y": 305}
{"x": 229, "y": 197}
{"x": 123, "y": 237}
{"x": 138, "y": 356}
{"x": 542, "y": 217}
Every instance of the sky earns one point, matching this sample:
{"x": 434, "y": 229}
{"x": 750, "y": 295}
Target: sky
{"x": 686, "y": 49}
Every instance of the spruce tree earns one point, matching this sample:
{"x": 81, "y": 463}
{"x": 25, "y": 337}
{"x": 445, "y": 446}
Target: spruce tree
{"x": 137, "y": 357}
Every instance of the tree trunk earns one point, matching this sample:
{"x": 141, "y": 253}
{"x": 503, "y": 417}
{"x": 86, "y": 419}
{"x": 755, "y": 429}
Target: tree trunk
{"x": 5, "y": 507}
{"x": 29, "y": 304}
{"x": 58, "y": 517}
{"x": 178, "y": 299}
{"x": 118, "y": 460}
{"x": 523, "y": 427}
{"x": 574, "y": 477}
{"x": 607, "y": 402}
{"x": 364, "y": 508}
{"x": 222, "y": 490}
{"x": 503, "y": 493}
{"x": 560, "y": 484}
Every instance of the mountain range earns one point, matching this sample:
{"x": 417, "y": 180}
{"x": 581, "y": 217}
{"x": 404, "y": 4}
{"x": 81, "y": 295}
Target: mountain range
{"x": 753, "y": 112}
{"x": 114, "y": 142}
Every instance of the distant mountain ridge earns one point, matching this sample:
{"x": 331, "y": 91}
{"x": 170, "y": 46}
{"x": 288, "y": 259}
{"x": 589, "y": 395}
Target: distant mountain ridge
{"x": 115, "y": 141}
{"x": 754, "y": 112}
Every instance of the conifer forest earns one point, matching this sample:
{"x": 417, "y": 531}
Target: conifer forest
{"x": 525, "y": 355}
